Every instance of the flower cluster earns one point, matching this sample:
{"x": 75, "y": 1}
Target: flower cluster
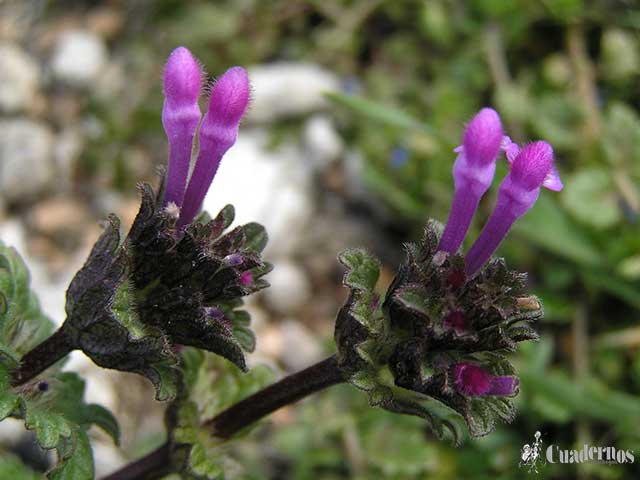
{"x": 448, "y": 319}
{"x": 177, "y": 279}
{"x": 531, "y": 168}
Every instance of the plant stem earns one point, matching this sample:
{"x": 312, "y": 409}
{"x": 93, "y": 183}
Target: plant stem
{"x": 33, "y": 363}
{"x": 289, "y": 390}
{"x": 153, "y": 465}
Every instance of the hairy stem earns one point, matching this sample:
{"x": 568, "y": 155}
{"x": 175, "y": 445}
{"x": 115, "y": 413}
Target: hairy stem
{"x": 289, "y": 390}
{"x": 32, "y": 364}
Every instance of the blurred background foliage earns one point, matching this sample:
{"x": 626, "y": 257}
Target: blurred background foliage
{"x": 413, "y": 72}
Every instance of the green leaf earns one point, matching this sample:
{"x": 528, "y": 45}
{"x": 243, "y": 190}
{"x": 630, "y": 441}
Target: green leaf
{"x": 443, "y": 421}
{"x": 48, "y": 426}
{"x": 205, "y": 462}
{"x": 256, "y": 236}
{"x": 557, "y": 119}
{"x": 549, "y": 409}
{"x": 56, "y": 413}
{"x": 11, "y": 467}
{"x": 9, "y": 401}
{"x": 629, "y": 268}
{"x": 479, "y": 417}
{"x": 378, "y": 112}
{"x": 624, "y": 290}
{"x": 590, "y": 196}
{"x": 548, "y": 227}
{"x": 620, "y": 54}
{"x": 393, "y": 192}
{"x": 362, "y": 315}
{"x": 415, "y": 298}
{"x": 223, "y": 220}
{"x": 22, "y": 323}
{"x": 69, "y": 393}
{"x": 621, "y": 137}
{"x": 590, "y": 399}
{"x": 165, "y": 378}
{"x": 75, "y": 458}
{"x": 399, "y": 453}
{"x": 59, "y": 417}
{"x": 245, "y": 337}
{"x": 363, "y": 269}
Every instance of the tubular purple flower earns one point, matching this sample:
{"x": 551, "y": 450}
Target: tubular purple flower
{"x": 246, "y": 278}
{"x": 473, "y": 173}
{"x": 180, "y": 118}
{"x": 551, "y": 182}
{"x": 518, "y": 193}
{"x": 472, "y": 380}
{"x": 227, "y": 104}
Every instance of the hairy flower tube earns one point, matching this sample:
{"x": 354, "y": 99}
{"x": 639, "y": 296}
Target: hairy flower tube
{"x": 531, "y": 167}
{"x": 180, "y": 118}
{"x": 473, "y": 173}
{"x": 228, "y": 101}
{"x": 472, "y": 380}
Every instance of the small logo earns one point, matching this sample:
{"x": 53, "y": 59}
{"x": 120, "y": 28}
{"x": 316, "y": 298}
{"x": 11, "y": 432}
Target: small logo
{"x": 531, "y": 455}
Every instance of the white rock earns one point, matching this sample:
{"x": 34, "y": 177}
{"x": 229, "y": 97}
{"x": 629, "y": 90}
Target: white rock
{"x": 322, "y": 143}
{"x": 101, "y": 383}
{"x": 291, "y": 209}
{"x": 111, "y": 82}
{"x": 107, "y": 457}
{"x": 26, "y": 166}
{"x": 11, "y": 431}
{"x": 301, "y": 347}
{"x": 354, "y": 165}
{"x": 67, "y": 150}
{"x": 19, "y": 78}
{"x": 285, "y": 89}
{"x": 290, "y": 288}
{"x": 271, "y": 187}
{"x": 79, "y": 57}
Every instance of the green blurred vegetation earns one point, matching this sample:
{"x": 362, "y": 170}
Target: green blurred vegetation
{"x": 566, "y": 71}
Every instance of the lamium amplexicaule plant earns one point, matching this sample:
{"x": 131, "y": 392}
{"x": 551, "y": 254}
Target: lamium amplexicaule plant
{"x": 165, "y": 302}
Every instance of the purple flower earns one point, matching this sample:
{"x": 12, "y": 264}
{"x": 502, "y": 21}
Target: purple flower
{"x": 227, "y": 104}
{"x": 471, "y": 380}
{"x": 531, "y": 168}
{"x": 180, "y": 118}
{"x": 234, "y": 259}
{"x": 214, "y": 313}
{"x": 473, "y": 173}
{"x": 246, "y": 278}
{"x": 551, "y": 182}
